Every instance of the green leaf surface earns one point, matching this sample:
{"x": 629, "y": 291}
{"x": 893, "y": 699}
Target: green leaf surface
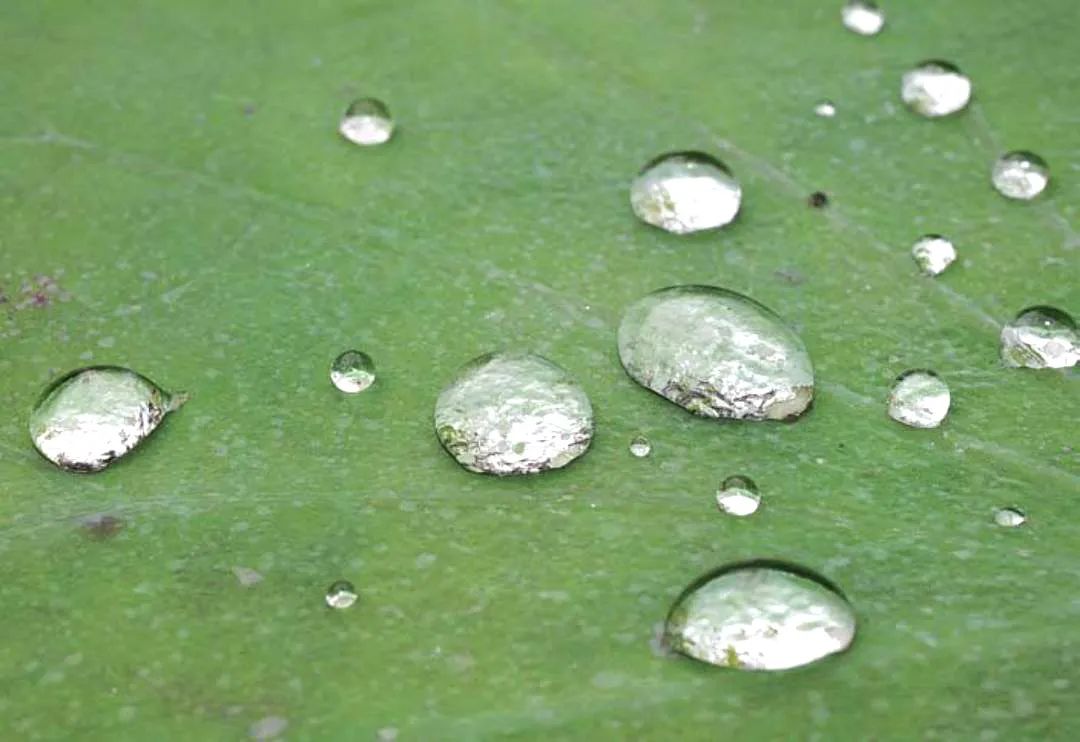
{"x": 174, "y": 168}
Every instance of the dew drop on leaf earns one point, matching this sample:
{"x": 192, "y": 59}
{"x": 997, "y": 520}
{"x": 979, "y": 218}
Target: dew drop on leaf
{"x": 352, "y": 372}
{"x": 341, "y": 594}
{"x": 738, "y": 496}
{"x": 933, "y": 254}
{"x": 640, "y": 446}
{"x": 1020, "y": 176}
{"x": 919, "y": 399}
{"x": 935, "y": 88}
{"x": 1041, "y": 337}
{"x": 684, "y": 192}
{"x": 367, "y": 122}
{"x": 863, "y": 17}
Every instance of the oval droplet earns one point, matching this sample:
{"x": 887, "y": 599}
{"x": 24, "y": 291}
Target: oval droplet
{"x": 684, "y": 192}
{"x": 341, "y": 594}
{"x": 760, "y": 616}
{"x": 863, "y": 17}
{"x": 1009, "y": 517}
{"x": 933, "y": 254}
{"x": 91, "y": 417}
{"x": 1020, "y": 175}
{"x": 825, "y": 109}
{"x": 513, "y": 413}
{"x": 352, "y": 372}
{"x": 1041, "y": 337}
{"x": 935, "y": 88}
{"x": 367, "y": 122}
{"x": 717, "y": 354}
{"x": 640, "y": 446}
{"x": 738, "y": 496}
{"x": 919, "y": 399}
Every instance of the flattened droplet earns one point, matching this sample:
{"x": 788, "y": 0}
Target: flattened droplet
{"x": 717, "y": 354}
{"x": 684, "y": 192}
{"x": 1009, "y": 517}
{"x": 93, "y": 416}
{"x": 513, "y": 413}
{"x": 1041, "y": 337}
{"x": 1020, "y": 175}
{"x": 825, "y": 109}
{"x": 760, "y": 616}
{"x": 352, "y": 372}
{"x": 341, "y": 594}
{"x": 738, "y": 496}
{"x": 935, "y": 88}
{"x": 933, "y": 254}
{"x": 367, "y": 122}
{"x": 863, "y": 17}
{"x": 919, "y": 399}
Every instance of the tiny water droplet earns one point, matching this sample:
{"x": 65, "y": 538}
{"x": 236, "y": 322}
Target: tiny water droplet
{"x": 919, "y": 399}
{"x": 825, "y": 109}
{"x": 1020, "y": 175}
{"x": 1041, "y": 337}
{"x": 341, "y": 594}
{"x": 367, "y": 122}
{"x": 91, "y": 417}
{"x": 352, "y": 372}
{"x": 760, "y": 616}
{"x": 935, "y": 88}
{"x": 716, "y": 353}
{"x": 640, "y": 446}
{"x": 738, "y": 495}
{"x": 1009, "y": 517}
{"x": 933, "y": 254}
{"x": 684, "y": 192}
{"x": 863, "y": 17}
{"x": 513, "y": 413}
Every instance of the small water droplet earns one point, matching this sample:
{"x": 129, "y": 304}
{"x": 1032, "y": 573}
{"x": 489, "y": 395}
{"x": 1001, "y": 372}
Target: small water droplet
{"x": 1009, "y": 517}
{"x": 738, "y": 495}
{"x": 825, "y": 109}
{"x": 919, "y": 399}
{"x": 513, "y": 413}
{"x": 367, "y": 122}
{"x": 716, "y": 353}
{"x": 760, "y": 616}
{"x": 1041, "y": 337}
{"x": 640, "y": 446}
{"x": 352, "y": 372}
{"x": 935, "y": 88}
{"x": 91, "y": 417}
{"x": 341, "y": 594}
{"x": 1020, "y": 175}
{"x": 684, "y": 192}
{"x": 818, "y": 200}
{"x": 933, "y": 254}
{"x": 863, "y": 17}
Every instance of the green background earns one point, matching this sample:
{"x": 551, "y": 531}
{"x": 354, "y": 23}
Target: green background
{"x": 175, "y": 169}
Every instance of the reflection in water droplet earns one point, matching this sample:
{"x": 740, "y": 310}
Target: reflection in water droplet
{"x": 760, "y": 616}
{"x": 919, "y": 399}
{"x": 341, "y": 594}
{"x": 825, "y": 109}
{"x": 863, "y": 17}
{"x": 1041, "y": 337}
{"x": 513, "y": 413}
{"x": 366, "y": 122}
{"x": 933, "y": 254}
{"x": 353, "y": 371}
{"x": 1020, "y": 175}
{"x": 935, "y": 88}
{"x": 684, "y": 192}
{"x": 1009, "y": 517}
{"x": 738, "y": 496}
{"x": 716, "y": 353}
{"x": 93, "y": 416}
{"x": 640, "y": 446}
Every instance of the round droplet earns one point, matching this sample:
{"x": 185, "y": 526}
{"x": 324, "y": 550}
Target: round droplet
{"x": 366, "y": 122}
{"x": 919, "y": 399}
{"x": 717, "y": 354}
{"x": 825, "y": 109}
{"x": 935, "y": 88}
{"x": 1020, "y": 175}
{"x": 738, "y": 496}
{"x": 933, "y": 254}
{"x": 1041, "y": 337}
{"x": 684, "y": 192}
{"x": 640, "y": 446}
{"x": 353, "y": 371}
{"x": 91, "y": 417}
{"x": 862, "y": 17}
{"x": 341, "y": 594}
{"x": 513, "y": 413}
{"x": 1009, "y": 517}
{"x": 760, "y": 616}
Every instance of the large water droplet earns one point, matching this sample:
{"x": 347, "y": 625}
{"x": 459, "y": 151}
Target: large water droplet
{"x": 738, "y": 495}
{"x": 716, "y": 353}
{"x": 1009, "y": 517}
{"x": 341, "y": 594}
{"x": 863, "y": 17}
{"x": 1020, "y": 175}
{"x": 933, "y": 254}
{"x": 366, "y": 122}
{"x": 353, "y": 371}
{"x": 640, "y": 446}
{"x": 684, "y": 192}
{"x": 935, "y": 88}
{"x": 89, "y": 418}
{"x": 1041, "y": 337}
{"x": 513, "y": 413}
{"x": 760, "y": 616}
{"x": 919, "y": 399}
{"x": 825, "y": 109}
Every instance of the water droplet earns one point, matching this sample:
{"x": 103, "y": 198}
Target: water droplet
{"x": 367, "y": 121}
{"x": 513, "y": 413}
{"x": 684, "y": 192}
{"x": 738, "y": 496}
{"x": 1041, "y": 337}
{"x": 341, "y": 594}
{"x": 862, "y": 17}
{"x": 1020, "y": 175}
{"x": 716, "y": 353}
{"x": 91, "y": 417}
{"x": 1009, "y": 517}
{"x": 818, "y": 200}
{"x": 640, "y": 446}
{"x": 933, "y": 253}
{"x": 919, "y": 399}
{"x": 825, "y": 109}
{"x": 935, "y": 88}
{"x": 353, "y": 371}
{"x": 760, "y": 616}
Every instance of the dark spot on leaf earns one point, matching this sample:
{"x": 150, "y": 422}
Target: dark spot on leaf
{"x": 101, "y": 526}
{"x": 818, "y": 200}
